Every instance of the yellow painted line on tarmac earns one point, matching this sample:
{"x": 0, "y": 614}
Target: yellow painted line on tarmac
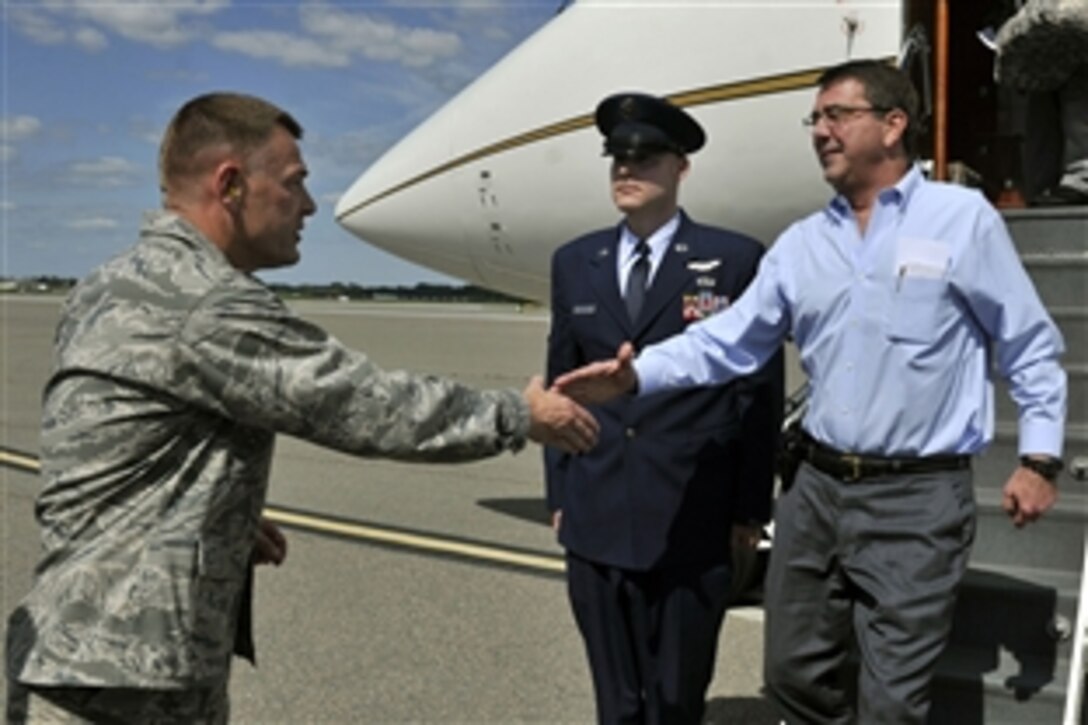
{"x": 420, "y": 542}
{"x": 17, "y": 460}
{"x": 371, "y": 533}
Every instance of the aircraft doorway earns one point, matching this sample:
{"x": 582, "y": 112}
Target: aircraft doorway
{"x": 983, "y": 129}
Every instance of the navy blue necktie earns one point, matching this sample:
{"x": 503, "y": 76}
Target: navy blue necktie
{"x": 637, "y": 279}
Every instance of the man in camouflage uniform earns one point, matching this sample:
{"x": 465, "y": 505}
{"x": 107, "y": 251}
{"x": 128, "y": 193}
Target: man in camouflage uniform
{"x": 174, "y": 369}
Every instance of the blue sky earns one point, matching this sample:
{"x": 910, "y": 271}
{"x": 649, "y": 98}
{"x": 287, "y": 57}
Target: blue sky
{"x": 89, "y": 85}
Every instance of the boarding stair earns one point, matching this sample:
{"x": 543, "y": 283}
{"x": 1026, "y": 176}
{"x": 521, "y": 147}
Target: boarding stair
{"x": 1016, "y": 653}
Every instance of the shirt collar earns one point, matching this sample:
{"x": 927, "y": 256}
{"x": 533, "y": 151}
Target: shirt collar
{"x": 658, "y": 241}
{"x": 900, "y": 195}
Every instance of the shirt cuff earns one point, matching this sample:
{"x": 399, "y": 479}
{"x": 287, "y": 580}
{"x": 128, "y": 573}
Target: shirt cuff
{"x": 1043, "y": 437}
{"x": 652, "y": 374}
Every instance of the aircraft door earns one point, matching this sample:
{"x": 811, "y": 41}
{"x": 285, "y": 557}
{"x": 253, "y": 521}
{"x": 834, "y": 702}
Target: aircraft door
{"x": 487, "y": 239}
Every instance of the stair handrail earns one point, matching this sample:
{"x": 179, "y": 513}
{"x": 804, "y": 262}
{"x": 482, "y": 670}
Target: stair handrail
{"x": 1074, "y": 697}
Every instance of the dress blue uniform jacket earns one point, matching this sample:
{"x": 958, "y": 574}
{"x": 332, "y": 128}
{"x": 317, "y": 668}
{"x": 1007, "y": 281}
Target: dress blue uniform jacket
{"x": 672, "y": 471}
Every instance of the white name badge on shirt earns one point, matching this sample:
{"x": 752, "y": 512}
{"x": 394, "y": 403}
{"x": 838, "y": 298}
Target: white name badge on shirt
{"x": 926, "y": 258}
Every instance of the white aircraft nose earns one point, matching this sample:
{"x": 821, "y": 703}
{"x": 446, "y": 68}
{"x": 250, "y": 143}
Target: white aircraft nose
{"x": 409, "y": 212}
{"x": 490, "y": 185}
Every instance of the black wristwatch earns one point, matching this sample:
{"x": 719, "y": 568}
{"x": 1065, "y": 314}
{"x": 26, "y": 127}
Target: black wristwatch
{"x": 1048, "y": 468}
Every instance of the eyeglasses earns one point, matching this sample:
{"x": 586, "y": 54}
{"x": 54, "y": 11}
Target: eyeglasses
{"x": 836, "y": 115}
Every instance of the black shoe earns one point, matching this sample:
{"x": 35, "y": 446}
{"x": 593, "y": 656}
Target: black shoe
{"x": 1061, "y": 196}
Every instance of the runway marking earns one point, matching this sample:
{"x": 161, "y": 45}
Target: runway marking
{"x": 14, "y": 459}
{"x": 373, "y": 533}
{"x": 417, "y": 541}
{"x": 399, "y": 538}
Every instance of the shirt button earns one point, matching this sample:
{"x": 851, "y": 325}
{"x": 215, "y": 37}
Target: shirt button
{"x": 630, "y": 433}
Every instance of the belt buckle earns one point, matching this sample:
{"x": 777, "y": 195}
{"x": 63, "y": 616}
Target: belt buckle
{"x": 854, "y": 462}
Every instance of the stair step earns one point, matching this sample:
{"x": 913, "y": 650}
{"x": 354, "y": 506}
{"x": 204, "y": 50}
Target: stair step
{"x": 1056, "y": 541}
{"x": 1030, "y": 612}
{"x": 1060, "y": 284}
{"x": 998, "y": 686}
{"x": 1048, "y": 230}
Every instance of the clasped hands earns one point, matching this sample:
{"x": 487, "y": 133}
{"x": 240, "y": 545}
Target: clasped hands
{"x": 557, "y": 417}
{"x": 601, "y": 381}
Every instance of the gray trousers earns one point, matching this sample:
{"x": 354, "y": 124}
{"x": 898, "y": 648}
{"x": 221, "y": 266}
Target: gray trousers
{"x": 878, "y": 562}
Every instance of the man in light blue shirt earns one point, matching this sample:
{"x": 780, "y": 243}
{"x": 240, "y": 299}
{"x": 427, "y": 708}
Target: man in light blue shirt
{"x": 898, "y": 294}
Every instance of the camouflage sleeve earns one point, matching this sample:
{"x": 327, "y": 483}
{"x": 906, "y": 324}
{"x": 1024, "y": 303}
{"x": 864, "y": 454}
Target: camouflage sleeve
{"x": 249, "y": 358}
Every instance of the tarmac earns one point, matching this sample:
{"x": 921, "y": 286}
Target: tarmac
{"x": 411, "y": 592}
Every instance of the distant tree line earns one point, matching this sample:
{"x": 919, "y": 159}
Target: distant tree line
{"x": 422, "y": 292}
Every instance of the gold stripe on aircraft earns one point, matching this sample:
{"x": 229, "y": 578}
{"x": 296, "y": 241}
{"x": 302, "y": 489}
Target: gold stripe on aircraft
{"x": 712, "y": 94}
{"x": 315, "y": 523}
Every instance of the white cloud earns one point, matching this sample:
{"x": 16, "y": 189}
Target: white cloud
{"x": 377, "y": 39}
{"x": 90, "y": 39}
{"x": 331, "y": 37}
{"x": 8, "y": 205}
{"x": 160, "y": 24}
{"x": 18, "y": 128}
{"x": 290, "y": 50}
{"x": 106, "y": 171}
{"x": 152, "y": 137}
{"x": 92, "y": 224}
{"x": 36, "y": 25}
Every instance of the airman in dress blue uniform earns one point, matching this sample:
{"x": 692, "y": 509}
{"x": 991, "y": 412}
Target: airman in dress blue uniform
{"x": 648, "y": 519}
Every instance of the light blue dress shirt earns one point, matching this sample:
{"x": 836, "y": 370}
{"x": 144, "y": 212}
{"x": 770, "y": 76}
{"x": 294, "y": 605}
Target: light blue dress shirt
{"x": 896, "y": 330}
{"x": 659, "y": 244}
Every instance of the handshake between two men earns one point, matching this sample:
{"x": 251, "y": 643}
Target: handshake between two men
{"x": 556, "y": 415}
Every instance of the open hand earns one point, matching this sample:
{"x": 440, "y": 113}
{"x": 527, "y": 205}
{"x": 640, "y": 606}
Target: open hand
{"x": 601, "y": 381}
{"x": 271, "y": 544}
{"x": 556, "y": 420}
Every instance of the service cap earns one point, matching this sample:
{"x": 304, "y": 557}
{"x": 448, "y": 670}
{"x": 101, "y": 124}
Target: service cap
{"x": 636, "y": 125}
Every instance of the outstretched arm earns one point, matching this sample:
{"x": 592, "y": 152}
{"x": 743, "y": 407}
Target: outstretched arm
{"x": 601, "y": 381}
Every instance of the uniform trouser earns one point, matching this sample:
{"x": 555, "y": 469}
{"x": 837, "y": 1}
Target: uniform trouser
{"x": 1074, "y": 109}
{"x": 1056, "y": 136}
{"x": 879, "y": 560}
{"x": 117, "y": 706}
{"x": 651, "y": 637}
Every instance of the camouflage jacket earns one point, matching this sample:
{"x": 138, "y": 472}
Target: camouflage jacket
{"x": 173, "y": 371}
{"x": 1043, "y": 45}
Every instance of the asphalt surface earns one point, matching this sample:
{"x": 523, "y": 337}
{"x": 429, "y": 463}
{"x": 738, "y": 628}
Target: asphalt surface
{"x": 429, "y": 593}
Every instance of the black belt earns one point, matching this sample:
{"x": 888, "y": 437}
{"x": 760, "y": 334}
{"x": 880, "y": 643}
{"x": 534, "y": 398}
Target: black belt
{"x": 849, "y": 467}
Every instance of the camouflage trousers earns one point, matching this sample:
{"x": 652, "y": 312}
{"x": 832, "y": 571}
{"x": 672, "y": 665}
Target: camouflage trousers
{"x": 116, "y": 706}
